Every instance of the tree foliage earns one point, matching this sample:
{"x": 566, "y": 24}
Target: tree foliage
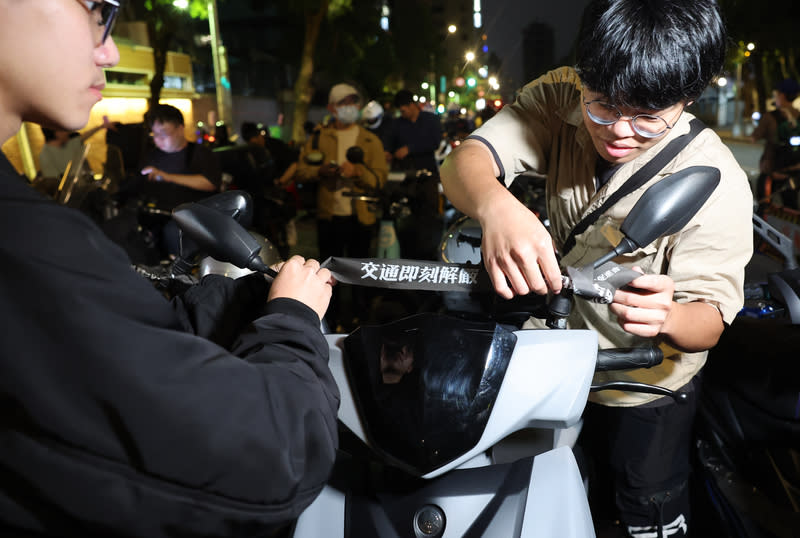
{"x": 166, "y": 30}
{"x": 775, "y": 55}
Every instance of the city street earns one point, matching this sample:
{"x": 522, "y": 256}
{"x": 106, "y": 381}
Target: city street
{"x": 747, "y": 154}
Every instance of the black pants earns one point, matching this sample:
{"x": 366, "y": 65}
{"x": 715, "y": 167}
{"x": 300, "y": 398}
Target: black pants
{"x": 340, "y": 237}
{"x": 639, "y": 466}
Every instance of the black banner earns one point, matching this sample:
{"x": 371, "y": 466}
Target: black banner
{"x": 409, "y": 274}
{"x": 594, "y": 285}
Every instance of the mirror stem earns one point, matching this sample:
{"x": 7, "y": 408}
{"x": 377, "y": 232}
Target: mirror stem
{"x": 625, "y": 246}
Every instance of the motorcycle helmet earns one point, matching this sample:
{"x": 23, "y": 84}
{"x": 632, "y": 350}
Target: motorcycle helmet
{"x": 372, "y": 115}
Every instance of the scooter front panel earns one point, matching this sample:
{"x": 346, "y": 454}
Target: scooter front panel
{"x": 425, "y": 385}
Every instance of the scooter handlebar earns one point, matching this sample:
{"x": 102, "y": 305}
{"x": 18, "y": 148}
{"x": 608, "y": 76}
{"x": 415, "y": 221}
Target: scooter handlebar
{"x": 624, "y": 358}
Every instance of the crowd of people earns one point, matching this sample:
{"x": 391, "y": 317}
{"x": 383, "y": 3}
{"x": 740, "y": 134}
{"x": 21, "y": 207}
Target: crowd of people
{"x": 215, "y": 413}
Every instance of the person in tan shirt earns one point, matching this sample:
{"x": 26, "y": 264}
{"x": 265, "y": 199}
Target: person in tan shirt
{"x": 588, "y": 129}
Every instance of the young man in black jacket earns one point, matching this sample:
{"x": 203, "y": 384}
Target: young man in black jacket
{"x": 122, "y": 413}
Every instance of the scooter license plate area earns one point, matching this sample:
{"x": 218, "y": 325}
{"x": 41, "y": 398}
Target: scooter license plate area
{"x": 425, "y": 385}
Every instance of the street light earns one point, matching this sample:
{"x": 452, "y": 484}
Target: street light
{"x": 220, "y": 59}
{"x": 469, "y": 56}
{"x": 452, "y": 28}
{"x": 738, "y": 103}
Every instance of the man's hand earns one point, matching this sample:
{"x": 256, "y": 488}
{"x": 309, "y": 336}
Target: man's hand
{"x": 328, "y": 170}
{"x": 153, "y": 173}
{"x": 517, "y": 249}
{"x": 644, "y": 307}
{"x": 401, "y": 153}
{"x": 304, "y": 281}
{"x": 348, "y": 169}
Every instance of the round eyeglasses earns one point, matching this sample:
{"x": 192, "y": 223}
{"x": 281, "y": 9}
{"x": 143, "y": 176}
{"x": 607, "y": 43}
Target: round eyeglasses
{"x": 646, "y": 125}
{"x": 104, "y": 13}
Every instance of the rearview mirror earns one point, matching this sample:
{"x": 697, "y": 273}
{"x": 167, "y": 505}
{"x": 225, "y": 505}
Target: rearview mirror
{"x": 665, "y": 208}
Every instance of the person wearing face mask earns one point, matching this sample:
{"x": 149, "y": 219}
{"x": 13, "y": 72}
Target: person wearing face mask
{"x": 345, "y": 226}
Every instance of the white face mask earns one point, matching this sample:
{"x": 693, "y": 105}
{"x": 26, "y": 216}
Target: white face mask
{"x": 347, "y": 114}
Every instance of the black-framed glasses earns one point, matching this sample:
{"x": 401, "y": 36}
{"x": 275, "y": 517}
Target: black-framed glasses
{"x": 105, "y": 13}
{"x": 646, "y": 125}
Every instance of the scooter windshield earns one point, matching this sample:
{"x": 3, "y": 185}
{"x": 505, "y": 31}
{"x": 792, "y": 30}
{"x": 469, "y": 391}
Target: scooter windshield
{"x": 425, "y": 385}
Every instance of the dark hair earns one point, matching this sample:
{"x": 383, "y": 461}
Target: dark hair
{"x": 49, "y": 134}
{"x": 788, "y": 87}
{"x": 249, "y": 130}
{"x": 650, "y": 54}
{"x": 402, "y": 98}
{"x": 164, "y": 114}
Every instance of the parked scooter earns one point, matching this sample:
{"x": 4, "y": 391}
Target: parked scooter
{"x": 748, "y": 421}
{"x": 432, "y": 408}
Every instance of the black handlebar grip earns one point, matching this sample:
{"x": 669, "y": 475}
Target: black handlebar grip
{"x": 624, "y": 358}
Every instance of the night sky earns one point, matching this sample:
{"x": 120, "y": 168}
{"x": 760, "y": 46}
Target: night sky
{"x": 505, "y": 19}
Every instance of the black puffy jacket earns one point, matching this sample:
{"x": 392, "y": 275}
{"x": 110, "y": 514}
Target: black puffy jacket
{"x": 120, "y": 415}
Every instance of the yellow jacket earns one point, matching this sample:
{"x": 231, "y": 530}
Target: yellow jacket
{"x": 327, "y": 143}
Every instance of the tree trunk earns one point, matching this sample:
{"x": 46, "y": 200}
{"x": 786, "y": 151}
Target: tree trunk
{"x": 160, "y": 43}
{"x": 302, "y": 87}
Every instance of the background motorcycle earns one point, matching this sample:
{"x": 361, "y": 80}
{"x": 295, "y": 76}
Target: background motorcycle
{"x": 748, "y": 422}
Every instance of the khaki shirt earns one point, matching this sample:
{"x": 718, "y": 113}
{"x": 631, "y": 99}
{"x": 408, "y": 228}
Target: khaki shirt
{"x": 543, "y": 131}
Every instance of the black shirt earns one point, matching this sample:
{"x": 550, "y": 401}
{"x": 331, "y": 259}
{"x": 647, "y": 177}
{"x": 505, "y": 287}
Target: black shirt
{"x": 191, "y": 160}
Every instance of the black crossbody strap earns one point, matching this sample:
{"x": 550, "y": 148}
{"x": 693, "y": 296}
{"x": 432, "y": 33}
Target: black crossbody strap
{"x": 645, "y": 173}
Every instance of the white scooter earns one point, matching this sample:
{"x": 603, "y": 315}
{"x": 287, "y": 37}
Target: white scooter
{"x": 455, "y": 428}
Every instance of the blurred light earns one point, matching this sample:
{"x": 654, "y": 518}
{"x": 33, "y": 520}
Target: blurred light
{"x": 498, "y": 103}
{"x": 460, "y": 82}
{"x": 469, "y": 56}
{"x": 440, "y": 109}
{"x": 485, "y": 48}
{"x": 492, "y": 81}
{"x": 385, "y": 13}
{"x": 424, "y": 85}
{"x": 181, "y": 4}
{"x": 451, "y": 94}
{"x": 751, "y": 46}
{"x": 422, "y": 99}
{"x": 471, "y": 82}
{"x": 463, "y": 111}
{"x": 477, "y": 20}
{"x": 746, "y": 53}
{"x": 756, "y": 115}
{"x": 452, "y": 28}
{"x": 480, "y": 104}
{"x": 794, "y": 141}
{"x": 416, "y": 97}
{"x": 483, "y": 71}
{"x": 722, "y": 82}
